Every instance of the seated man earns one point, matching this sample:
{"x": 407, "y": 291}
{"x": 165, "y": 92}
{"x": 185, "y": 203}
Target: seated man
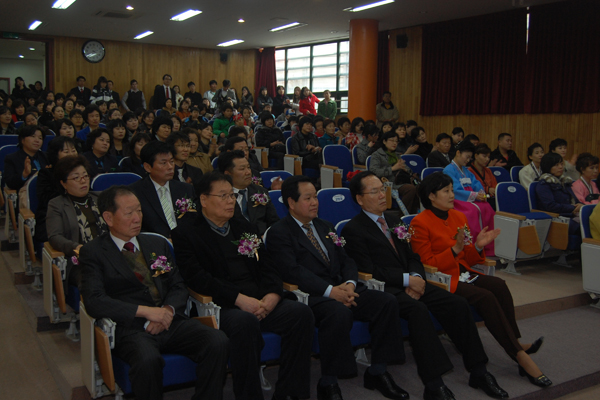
{"x": 236, "y": 142}
{"x": 180, "y": 147}
{"x": 503, "y": 156}
{"x": 312, "y": 258}
{"x": 158, "y": 192}
{"x": 248, "y": 288}
{"x": 441, "y": 156}
{"x": 149, "y": 309}
{"x": 253, "y": 201}
{"x": 390, "y": 258}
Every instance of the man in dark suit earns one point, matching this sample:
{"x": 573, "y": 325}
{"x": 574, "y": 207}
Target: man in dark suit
{"x": 121, "y": 282}
{"x": 157, "y": 192}
{"x": 379, "y": 251}
{"x": 163, "y": 92}
{"x": 312, "y": 258}
{"x": 253, "y": 202}
{"x": 81, "y": 92}
{"x": 237, "y": 142}
{"x": 180, "y": 146}
{"x": 224, "y": 94}
{"x": 441, "y": 157}
{"x": 192, "y": 94}
{"x": 248, "y": 289}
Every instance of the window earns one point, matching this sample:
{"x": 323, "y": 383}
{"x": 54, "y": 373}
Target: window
{"x": 318, "y": 67}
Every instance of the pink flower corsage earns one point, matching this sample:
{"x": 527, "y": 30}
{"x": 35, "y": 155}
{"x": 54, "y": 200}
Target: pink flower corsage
{"x": 467, "y": 232}
{"x": 260, "y": 199}
{"x": 337, "y": 240}
{"x": 256, "y": 180}
{"x": 160, "y": 265}
{"x": 403, "y": 232}
{"x": 184, "y": 205}
{"x": 248, "y": 245}
{"x": 75, "y": 260}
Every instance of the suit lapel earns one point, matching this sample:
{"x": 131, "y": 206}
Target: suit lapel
{"x": 304, "y": 241}
{"x": 71, "y": 217}
{"x": 374, "y": 229}
{"x": 117, "y": 260}
{"x": 147, "y": 252}
{"x": 152, "y": 196}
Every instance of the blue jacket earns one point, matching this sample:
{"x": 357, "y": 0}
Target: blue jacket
{"x": 554, "y": 195}
{"x": 459, "y": 188}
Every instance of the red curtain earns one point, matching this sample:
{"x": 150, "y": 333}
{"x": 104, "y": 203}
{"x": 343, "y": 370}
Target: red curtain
{"x": 383, "y": 64}
{"x": 474, "y": 65}
{"x": 563, "y": 59}
{"x": 266, "y": 74}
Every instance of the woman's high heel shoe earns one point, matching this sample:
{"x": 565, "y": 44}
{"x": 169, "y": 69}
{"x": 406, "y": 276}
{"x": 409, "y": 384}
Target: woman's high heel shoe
{"x": 535, "y": 346}
{"x": 541, "y": 381}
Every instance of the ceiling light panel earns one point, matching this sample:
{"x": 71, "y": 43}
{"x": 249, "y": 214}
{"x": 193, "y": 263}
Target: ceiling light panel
{"x": 35, "y": 24}
{"x": 367, "y": 6}
{"x": 62, "y": 4}
{"x": 230, "y": 43}
{"x": 293, "y": 25}
{"x": 143, "y": 35}
{"x": 185, "y": 15}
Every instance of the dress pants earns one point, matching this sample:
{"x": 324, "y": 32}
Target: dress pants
{"x": 454, "y": 314}
{"x": 334, "y": 321}
{"x": 492, "y": 299}
{"x": 294, "y": 322}
{"x": 189, "y": 337}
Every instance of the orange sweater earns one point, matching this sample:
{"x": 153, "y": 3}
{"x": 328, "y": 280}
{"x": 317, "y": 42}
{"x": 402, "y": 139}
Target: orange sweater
{"x": 432, "y": 240}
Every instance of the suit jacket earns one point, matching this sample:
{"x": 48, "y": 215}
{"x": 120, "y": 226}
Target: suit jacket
{"x": 262, "y": 216}
{"x": 372, "y": 251}
{"x": 437, "y": 159}
{"x": 160, "y": 97}
{"x": 111, "y": 163}
{"x": 205, "y": 269}
{"x": 192, "y": 172}
{"x": 154, "y": 219}
{"x": 110, "y": 288}
{"x": 14, "y": 164}
{"x": 300, "y": 262}
{"x": 85, "y": 96}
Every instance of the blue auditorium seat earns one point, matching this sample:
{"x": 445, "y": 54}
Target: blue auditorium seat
{"x": 501, "y": 174}
{"x": 277, "y": 200}
{"x": 104, "y": 181}
{"x": 414, "y": 162}
{"x": 268, "y": 176}
{"x": 336, "y": 204}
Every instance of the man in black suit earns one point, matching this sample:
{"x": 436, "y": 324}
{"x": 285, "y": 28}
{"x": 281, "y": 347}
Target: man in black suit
{"x": 441, "y": 157}
{"x": 120, "y": 282}
{"x": 115, "y": 96}
{"x": 192, "y": 94}
{"x": 248, "y": 289}
{"x": 309, "y": 256}
{"x": 253, "y": 202}
{"x": 157, "y": 192}
{"x": 180, "y": 146}
{"x": 163, "y": 92}
{"x": 237, "y": 142}
{"x": 380, "y": 252}
{"x": 81, "y": 92}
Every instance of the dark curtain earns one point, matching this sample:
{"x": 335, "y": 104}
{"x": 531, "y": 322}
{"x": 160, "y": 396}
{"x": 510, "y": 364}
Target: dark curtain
{"x": 474, "y": 65}
{"x": 563, "y": 59}
{"x": 266, "y": 74}
{"x": 383, "y": 64}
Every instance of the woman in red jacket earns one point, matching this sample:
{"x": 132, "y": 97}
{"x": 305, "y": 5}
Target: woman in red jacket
{"x": 307, "y": 102}
{"x": 442, "y": 239}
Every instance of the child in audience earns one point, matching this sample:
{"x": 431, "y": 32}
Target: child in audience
{"x": 533, "y": 171}
{"x": 263, "y": 99}
{"x": 223, "y": 122}
{"x": 560, "y": 146}
{"x": 440, "y": 157}
{"x": 585, "y": 188}
{"x": 355, "y": 135}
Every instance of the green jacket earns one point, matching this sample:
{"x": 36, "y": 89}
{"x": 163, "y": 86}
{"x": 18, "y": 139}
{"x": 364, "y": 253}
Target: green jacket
{"x": 222, "y": 125}
{"x": 327, "y": 109}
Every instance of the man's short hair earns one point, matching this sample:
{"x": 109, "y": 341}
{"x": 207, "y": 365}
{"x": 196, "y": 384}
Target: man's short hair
{"x": 356, "y": 186}
{"x": 158, "y": 121}
{"x": 128, "y": 115}
{"x": 236, "y": 130}
{"x": 482, "y": 148}
{"x": 174, "y": 137}
{"x": 226, "y": 82}
{"x": 230, "y": 143}
{"x": 191, "y": 83}
{"x": 442, "y": 136}
{"x": 557, "y": 143}
{"x": 411, "y": 122}
{"x": 204, "y": 185}
{"x": 265, "y": 116}
{"x": 226, "y": 106}
{"x": 107, "y": 201}
{"x": 471, "y": 137}
{"x": 458, "y": 130}
{"x": 212, "y": 81}
{"x": 78, "y": 78}
{"x": 152, "y": 149}
{"x": 165, "y": 75}
{"x": 503, "y": 135}
{"x": 225, "y": 161}
{"x": 131, "y": 82}
{"x": 289, "y": 188}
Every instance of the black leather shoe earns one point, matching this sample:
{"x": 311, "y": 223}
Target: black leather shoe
{"x": 535, "y": 346}
{"x": 541, "y": 381}
{"x": 331, "y": 392}
{"x": 386, "y": 385}
{"x": 488, "y": 384}
{"x": 441, "y": 393}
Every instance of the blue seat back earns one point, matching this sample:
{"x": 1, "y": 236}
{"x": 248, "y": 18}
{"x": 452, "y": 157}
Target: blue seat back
{"x": 279, "y": 123}
{"x": 288, "y": 145}
{"x": 354, "y": 155}
{"x": 414, "y": 162}
{"x": 47, "y": 141}
{"x": 501, "y": 174}
{"x": 268, "y": 176}
{"x": 584, "y": 214}
{"x": 407, "y": 219}
{"x": 287, "y": 134}
{"x": 18, "y": 124}
{"x": 214, "y": 163}
{"x": 277, "y": 200}
{"x": 339, "y": 156}
{"x": 514, "y": 173}
{"x": 121, "y": 161}
{"x": 336, "y": 204}
{"x": 8, "y": 139}
{"x": 368, "y": 163}
{"x": 533, "y": 195}
{"x": 340, "y": 226}
{"x": 104, "y": 181}
{"x": 430, "y": 170}
{"x": 512, "y": 197}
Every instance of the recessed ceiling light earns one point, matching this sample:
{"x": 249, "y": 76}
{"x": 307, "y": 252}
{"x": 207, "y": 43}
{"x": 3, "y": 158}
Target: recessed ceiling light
{"x": 230, "y": 43}
{"x": 21, "y": 56}
{"x": 143, "y": 35}
{"x": 333, "y": 32}
{"x": 62, "y": 4}
{"x": 31, "y": 48}
{"x": 241, "y": 20}
{"x": 367, "y": 6}
{"x": 130, "y": 8}
{"x": 35, "y": 24}
{"x": 185, "y": 15}
{"x": 288, "y": 26}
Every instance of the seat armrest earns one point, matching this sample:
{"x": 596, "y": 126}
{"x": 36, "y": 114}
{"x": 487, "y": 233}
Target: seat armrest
{"x": 209, "y": 321}
{"x": 200, "y": 297}
{"x": 553, "y": 215}
{"x": 329, "y": 167}
{"x": 26, "y": 213}
{"x": 358, "y": 166}
{"x": 289, "y": 287}
{"x": 595, "y": 242}
{"x": 365, "y": 276}
{"x": 511, "y": 215}
{"x": 429, "y": 269}
{"x": 489, "y": 262}
{"x": 53, "y": 253}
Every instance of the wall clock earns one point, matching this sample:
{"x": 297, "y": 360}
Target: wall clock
{"x": 93, "y": 51}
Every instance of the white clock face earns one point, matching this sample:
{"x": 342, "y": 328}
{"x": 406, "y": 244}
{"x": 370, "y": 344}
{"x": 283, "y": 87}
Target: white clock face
{"x": 93, "y": 51}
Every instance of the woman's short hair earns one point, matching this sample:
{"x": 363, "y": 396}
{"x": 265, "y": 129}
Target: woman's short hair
{"x": 465, "y": 147}
{"x": 585, "y": 160}
{"x": 328, "y": 122}
{"x": 557, "y": 143}
{"x": 550, "y": 160}
{"x": 115, "y": 123}
{"x": 389, "y": 135}
{"x": 128, "y": 115}
{"x": 161, "y": 121}
{"x": 56, "y": 145}
{"x": 29, "y": 130}
{"x": 532, "y": 148}
{"x": 65, "y": 165}
{"x": 90, "y": 109}
{"x": 75, "y": 112}
{"x": 95, "y": 134}
{"x": 482, "y": 149}
{"x": 342, "y": 121}
{"x": 432, "y": 184}
{"x": 265, "y": 116}
{"x": 372, "y": 130}
{"x": 138, "y": 137}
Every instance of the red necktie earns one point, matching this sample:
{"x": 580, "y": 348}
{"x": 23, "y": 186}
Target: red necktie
{"x": 167, "y": 89}
{"x": 129, "y": 247}
{"x": 386, "y": 232}
{"x": 81, "y": 90}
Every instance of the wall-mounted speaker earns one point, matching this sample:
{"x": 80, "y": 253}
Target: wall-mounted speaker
{"x": 223, "y": 57}
{"x": 401, "y": 41}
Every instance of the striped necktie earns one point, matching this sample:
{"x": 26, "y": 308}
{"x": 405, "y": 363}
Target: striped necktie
{"x": 165, "y": 202}
{"x": 311, "y": 236}
{"x": 386, "y": 232}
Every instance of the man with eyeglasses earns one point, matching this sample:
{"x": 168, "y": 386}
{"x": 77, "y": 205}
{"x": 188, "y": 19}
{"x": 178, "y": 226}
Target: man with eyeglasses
{"x": 216, "y": 258}
{"x": 180, "y": 146}
{"x": 377, "y": 249}
{"x": 158, "y": 192}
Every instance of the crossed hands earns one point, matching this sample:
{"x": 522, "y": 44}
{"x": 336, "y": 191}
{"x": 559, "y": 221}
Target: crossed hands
{"x": 416, "y": 287}
{"x": 260, "y": 308}
{"x": 160, "y": 318}
{"x": 345, "y": 294}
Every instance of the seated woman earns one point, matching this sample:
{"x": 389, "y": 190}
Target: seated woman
{"x": 419, "y": 138}
{"x": 386, "y": 163}
{"x": 197, "y": 158}
{"x": 184, "y": 110}
{"x": 92, "y": 116}
{"x": 484, "y": 175}
{"x": 168, "y": 109}
{"x": 133, "y": 163}
{"x": 98, "y": 141}
{"x": 263, "y": 99}
{"x": 27, "y": 160}
{"x": 7, "y": 125}
{"x": 118, "y": 138}
{"x": 355, "y": 136}
{"x": 555, "y": 194}
{"x": 76, "y": 117}
{"x": 532, "y": 172}
{"x": 405, "y": 145}
{"x": 584, "y": 188}
{"x": 442, "y": 240}
{"x": 131, "y": 124}
{"x": 73, "y": 218}
{"x": 330, "y": 136}
{"x": 206, "y": 135}
{"x": 47, "y": 187}
{"x": 162, "y": 128}
{"x": 271, "y": 137}
{"x": 469, "y": 192}
{"x": 147, "y": 121}
{"x": 306, "y": 145}
{"x": 18, "y": 108}
{"x": 368, "y": 145}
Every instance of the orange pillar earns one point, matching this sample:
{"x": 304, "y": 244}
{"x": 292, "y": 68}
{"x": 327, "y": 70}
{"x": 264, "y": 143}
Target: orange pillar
{"x": 362, "y": 74}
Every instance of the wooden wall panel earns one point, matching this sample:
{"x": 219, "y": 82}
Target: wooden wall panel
{"x": 582, "y": 131}
{"x": 148, "y": 63}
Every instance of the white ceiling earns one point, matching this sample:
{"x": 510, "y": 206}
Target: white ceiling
{"x": 218, "y": 22}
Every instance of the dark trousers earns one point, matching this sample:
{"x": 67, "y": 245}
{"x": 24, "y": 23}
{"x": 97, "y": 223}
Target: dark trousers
{"x": 291, "y": 320}
{"x": 492, "y": 300}
{"x": 278, "y": 155}
{"x": 334, "y": 321}
{"x": 142, "y": 351}
{"x": 454, "y": 314}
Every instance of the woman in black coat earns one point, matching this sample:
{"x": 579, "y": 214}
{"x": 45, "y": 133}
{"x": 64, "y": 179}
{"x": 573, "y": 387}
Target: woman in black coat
{"x": 27, "y": 160}
{"x": 98, "y": 141}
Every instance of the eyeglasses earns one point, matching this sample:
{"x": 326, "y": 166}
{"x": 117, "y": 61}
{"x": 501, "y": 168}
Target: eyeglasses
{"x": 225, "y": 196}
{"x": 79, "y": 178}
{"x": 376, "y": 191}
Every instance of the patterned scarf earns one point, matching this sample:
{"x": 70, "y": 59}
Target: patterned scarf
{"x": 84, "y": 226}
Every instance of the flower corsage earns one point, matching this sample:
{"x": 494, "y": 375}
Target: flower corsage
{"x": 75, "y": 258}
{"x": 184, "y": 205}
{"x": 256, "y": 180}
{"x": 339, "y": 241}
{"x": 248, "y": 245}
{"x": 403, "y": 232}
{"x": 467, "y": 232}
{"x": 259, "y": 199}
{"x": 160, "y": 265}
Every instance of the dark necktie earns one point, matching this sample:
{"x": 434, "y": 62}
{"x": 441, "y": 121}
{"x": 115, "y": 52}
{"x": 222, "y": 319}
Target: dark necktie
{"x": 129, "y": 247}
{"x": 313, "y": 240}
{"x": 386, "y": 232}
{"x": 244, "y": 204}
{"x": 167, "y": 90}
